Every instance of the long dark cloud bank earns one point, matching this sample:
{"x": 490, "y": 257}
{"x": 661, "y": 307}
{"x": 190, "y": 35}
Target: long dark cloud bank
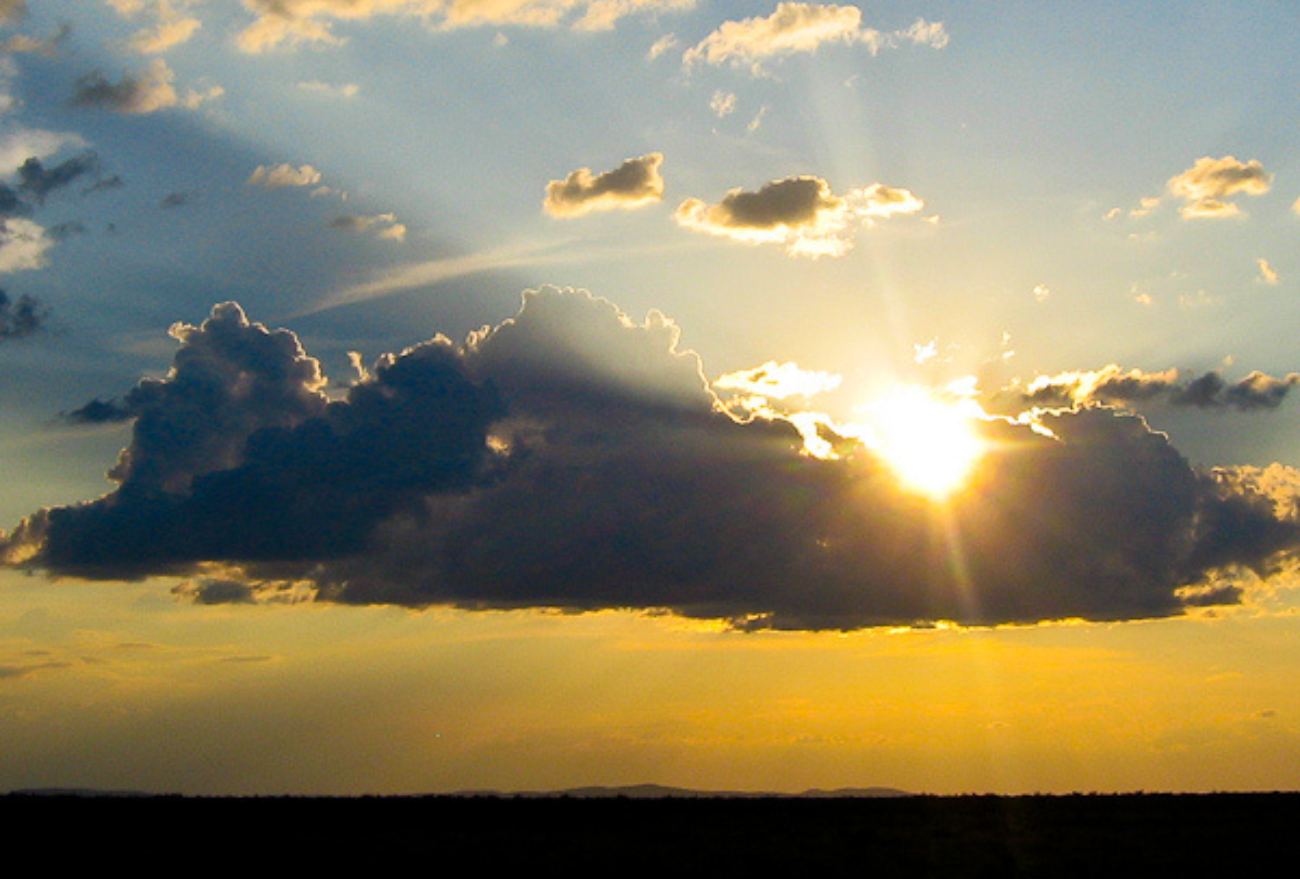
{"x": 573, "y": 458}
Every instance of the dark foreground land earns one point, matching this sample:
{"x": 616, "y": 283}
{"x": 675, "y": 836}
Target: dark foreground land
{"x": 915, "y": 836}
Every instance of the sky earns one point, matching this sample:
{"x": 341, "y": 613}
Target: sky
{"x": 416, "y": 396}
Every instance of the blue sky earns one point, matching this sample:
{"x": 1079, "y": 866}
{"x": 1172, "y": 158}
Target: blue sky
{"x": 1078, "y": 219}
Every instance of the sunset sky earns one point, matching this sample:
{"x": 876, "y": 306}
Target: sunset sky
{"x": 408, "y": 396}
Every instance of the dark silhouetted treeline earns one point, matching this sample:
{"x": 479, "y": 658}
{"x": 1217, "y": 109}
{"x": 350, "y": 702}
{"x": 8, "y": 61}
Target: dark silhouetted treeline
{"x": 912, "y": 836}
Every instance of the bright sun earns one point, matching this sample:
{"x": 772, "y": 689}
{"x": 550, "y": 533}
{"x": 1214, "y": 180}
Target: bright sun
{"x": 929, "y": 442}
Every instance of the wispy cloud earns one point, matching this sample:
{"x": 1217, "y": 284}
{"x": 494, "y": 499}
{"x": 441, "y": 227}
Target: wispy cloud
{"x": 280, "y": 22}
{"x": 800, "y": 28}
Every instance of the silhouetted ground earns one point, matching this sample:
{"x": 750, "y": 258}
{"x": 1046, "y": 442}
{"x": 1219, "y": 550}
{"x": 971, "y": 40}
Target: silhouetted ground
{"x": 920, "y": 836}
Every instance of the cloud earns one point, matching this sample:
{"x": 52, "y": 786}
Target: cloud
{"x": 779, "y": 380}
{"x": 280, "y": 22}
{"x": 23, "y": 245}
{"x": 21, "y": 318}
{"x": 12, "y": 11}
{"x": 803, "y": 27}
{"x": 21, "y": 144}
{"x": 274, "y": 177}
{"x": 23, "y": 44}
{"x": 1267, "y": 274}
{"x": 387, "y": 225}
{"x": 723, "y": 104}
{"x": 633, "y": 184}
{"x": 572, "y": 457}
{"x": 36, "y": 181}
{"x": 149, "y": 91}
{"x": 173, "y": 28}
{"x": 1112, "y": 385}
{"x": 331, "y": 90}
{"x": 99, "y": 411}
{"x": 801, "y": 213}
{"x": 1206, "y": 186}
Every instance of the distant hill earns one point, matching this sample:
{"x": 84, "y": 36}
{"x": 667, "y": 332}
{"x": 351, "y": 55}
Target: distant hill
{"x": 657, "y": 791}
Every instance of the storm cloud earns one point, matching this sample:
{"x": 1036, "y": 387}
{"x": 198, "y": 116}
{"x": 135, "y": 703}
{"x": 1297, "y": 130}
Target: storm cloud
{"x": 572, "y": 457}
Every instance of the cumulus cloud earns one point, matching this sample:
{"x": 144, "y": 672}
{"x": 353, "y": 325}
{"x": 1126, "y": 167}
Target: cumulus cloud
{"x": 280, "y": 22}
{"x": 801, "y": 213}
{"x": 1209, "y": 183}
{"x": 572, "y": 457}
{"x": 803, "y": 27}
{"x": 633, "y": 184}
{"x": 1112, "y": 385}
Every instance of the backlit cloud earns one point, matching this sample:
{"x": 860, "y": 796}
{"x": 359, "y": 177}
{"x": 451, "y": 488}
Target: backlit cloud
{"x": 1115, "y": 386}
{"x": 1209, "y": 183}
{"x": 803, "y": 27}
{"x": 633, "y": 184}
{"x": 801, "y": 213}
{"x": 572, "y": 457}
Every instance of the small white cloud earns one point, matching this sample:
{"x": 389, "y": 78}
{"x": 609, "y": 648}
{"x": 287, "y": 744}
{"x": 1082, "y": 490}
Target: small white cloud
{"x": 274, "y": 177}
{"x": 23, "y": 245}
{"x": 723, "y": 104}
{"x": 1267, "y": 274}
{"x": 341, "y": 91}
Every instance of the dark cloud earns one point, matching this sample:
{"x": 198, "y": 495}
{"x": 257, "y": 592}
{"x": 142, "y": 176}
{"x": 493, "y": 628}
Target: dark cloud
{"x": 801, "y": 213}
{"x": 20, "y": 318}
{"x": 1113, "y": 386}
{"x": 98, "y": 411}
{"x": 177, "y": 200}
{"x": 574, "y": 458}
{"x": 794, "y": 201}
{"x": 36, "y": 182}
{"x": 634, "y": 183}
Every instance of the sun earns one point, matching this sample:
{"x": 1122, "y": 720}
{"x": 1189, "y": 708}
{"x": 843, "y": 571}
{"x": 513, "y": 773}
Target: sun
{"x": 929, "y": 442}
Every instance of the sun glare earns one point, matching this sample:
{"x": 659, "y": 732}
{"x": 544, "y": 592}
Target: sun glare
{"x": 929, "y": 442}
